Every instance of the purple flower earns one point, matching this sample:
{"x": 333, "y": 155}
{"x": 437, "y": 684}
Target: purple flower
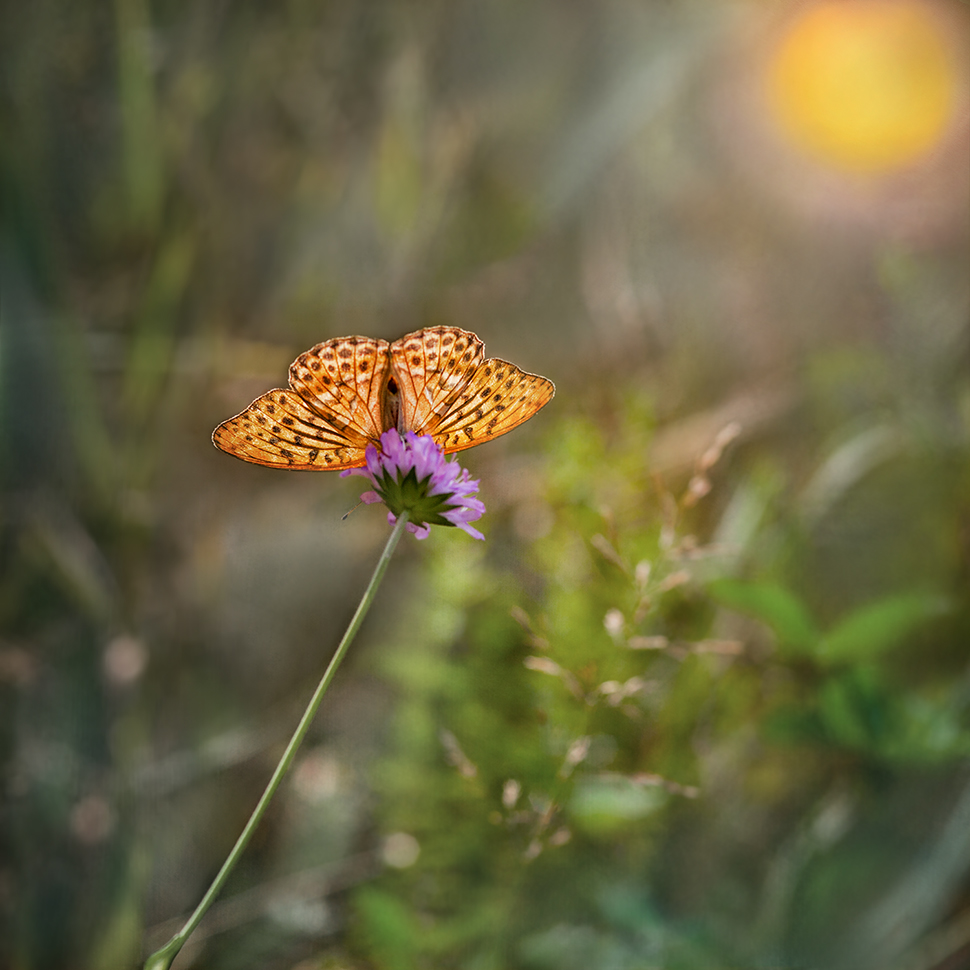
{"x": 410, "y": 472}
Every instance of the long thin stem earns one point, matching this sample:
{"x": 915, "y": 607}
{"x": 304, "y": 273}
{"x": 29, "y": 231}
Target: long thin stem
{"x": 162, "y": 958}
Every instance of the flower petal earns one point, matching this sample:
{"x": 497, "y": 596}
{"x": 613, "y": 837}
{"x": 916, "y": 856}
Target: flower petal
{"x": 410, "y": 472}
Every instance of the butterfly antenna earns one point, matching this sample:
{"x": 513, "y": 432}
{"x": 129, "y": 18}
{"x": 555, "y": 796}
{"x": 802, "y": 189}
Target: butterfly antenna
{"x": 346, "y": 514}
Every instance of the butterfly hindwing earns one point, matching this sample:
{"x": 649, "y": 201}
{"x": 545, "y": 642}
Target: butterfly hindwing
{"x": 497, "y": 398}
{"x": 279, "y": 430}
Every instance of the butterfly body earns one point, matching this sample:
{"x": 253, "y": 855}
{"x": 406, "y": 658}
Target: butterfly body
{"x": 344, "y": 393}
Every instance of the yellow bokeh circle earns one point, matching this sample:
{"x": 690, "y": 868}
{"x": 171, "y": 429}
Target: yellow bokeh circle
{"x": 865, "y": 86}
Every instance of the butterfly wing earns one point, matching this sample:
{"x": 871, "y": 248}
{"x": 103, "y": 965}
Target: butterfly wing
{"x": 431, "y": 366}
{"x": 279, "y": 430}
{"x": 448, "y": 389}
{"x": 328, "y": 418}
{"x": 343, "y": 381}
{"x": 497, "y": 398}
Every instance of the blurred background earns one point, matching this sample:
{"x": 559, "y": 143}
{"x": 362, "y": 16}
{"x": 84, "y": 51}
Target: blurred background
{"x": 702, "y": 697}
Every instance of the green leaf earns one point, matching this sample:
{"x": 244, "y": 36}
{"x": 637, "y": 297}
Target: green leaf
{"x": 879, "y": 626}
{"x": 852, "y": 712}
{"x": 387, "y": 928}
{"x": 606, "y": 804}
{"x": 775, "y": 606}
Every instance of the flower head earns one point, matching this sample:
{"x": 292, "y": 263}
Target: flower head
{"x": 410, "y": 472}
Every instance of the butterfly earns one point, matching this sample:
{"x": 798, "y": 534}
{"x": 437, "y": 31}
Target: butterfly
{"x": 344, "y": 393}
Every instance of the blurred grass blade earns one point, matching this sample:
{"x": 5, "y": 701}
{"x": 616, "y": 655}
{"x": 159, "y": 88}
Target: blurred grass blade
{"x": 141, "y": 159}
{"x": 153, "y": 341}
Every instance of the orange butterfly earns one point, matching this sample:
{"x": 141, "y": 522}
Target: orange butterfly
{"x": 346, "y": 392}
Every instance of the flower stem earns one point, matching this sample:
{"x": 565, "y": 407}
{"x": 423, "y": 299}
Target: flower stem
{"x": 162, "y": 958}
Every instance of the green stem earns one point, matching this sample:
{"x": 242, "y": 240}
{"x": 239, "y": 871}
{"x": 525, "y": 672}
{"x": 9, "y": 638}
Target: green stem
{"x": 162, "y": 958}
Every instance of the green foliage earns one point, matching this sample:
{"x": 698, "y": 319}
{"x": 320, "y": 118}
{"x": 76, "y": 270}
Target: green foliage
{"x": 775, "y": 606}
{"x": 879, "y": 626}
{"x": 530, "y": 747}
{"x": 386, "y": 929}
{"x": 864, "y": 633}
{"x": 641, "y": 726}
{"x": 592, "y": 743}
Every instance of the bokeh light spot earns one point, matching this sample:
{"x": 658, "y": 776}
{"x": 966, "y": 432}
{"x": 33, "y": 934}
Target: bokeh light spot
{"x": 866, "y": 86}
{"x": 400, "y": 850}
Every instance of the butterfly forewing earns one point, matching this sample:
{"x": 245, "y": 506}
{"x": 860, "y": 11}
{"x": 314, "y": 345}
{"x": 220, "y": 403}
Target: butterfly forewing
{"x": 279, "y": 430}
{"x": 497, "y": 398}
{"x": 343, "y": 381}
{"x": 431, "y": 367}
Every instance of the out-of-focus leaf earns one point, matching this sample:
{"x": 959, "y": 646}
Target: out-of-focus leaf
{"x": 851, "y": 713}
{"x": 387, "y": 930}
{"x": 566, "y": 947}
{"x": 933, "y": 728}
{"x": 605, "y": 804}
{"x": 775, "y": 606}
{"x": 879, "y": 626}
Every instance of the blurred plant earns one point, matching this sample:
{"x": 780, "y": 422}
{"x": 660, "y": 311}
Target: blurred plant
{"x": 559, "y": 726}
{"x": 627, "y": 773}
